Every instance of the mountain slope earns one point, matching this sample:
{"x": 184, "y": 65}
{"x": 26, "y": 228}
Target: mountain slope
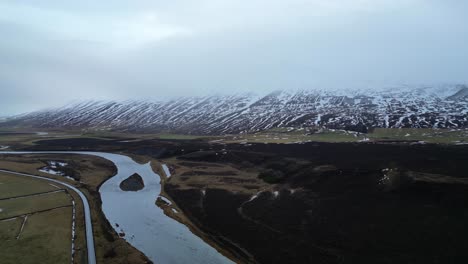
{"x": 442, "y": 107}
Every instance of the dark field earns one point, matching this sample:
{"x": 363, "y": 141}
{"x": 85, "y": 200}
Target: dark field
{"x": 334, "y": 206}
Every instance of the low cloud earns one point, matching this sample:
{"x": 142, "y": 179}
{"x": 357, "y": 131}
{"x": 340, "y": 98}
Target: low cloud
{"x": 56, "y": 51}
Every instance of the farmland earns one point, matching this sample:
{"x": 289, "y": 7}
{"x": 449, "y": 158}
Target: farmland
{"x": 36, "y": 217}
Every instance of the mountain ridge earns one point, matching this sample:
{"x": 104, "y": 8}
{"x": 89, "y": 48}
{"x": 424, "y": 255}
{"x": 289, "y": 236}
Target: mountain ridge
{"x": 357, "y": 110}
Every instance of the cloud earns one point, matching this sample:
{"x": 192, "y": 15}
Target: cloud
{"x": 124, "y": 31}
{"x": 53, "y": 51}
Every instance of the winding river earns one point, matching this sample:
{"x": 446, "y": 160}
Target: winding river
{"x": 146, "y": 227}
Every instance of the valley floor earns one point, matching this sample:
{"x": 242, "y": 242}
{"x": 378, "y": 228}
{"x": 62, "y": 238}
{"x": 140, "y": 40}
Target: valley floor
{"x": 391, "y": 200}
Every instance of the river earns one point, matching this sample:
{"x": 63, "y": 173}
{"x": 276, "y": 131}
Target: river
{"x": 146, "y": 227}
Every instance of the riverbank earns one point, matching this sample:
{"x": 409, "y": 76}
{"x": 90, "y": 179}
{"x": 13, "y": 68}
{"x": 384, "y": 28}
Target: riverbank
{"x": 171, "y": 209}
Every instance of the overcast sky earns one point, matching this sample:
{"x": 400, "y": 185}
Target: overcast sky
{"x": 55, "y": 51}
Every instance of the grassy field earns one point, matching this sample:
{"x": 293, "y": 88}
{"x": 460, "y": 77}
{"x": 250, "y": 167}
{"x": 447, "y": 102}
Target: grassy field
{"x": 46, "y": 238}
{"x": 289, "y": 136}
{"x": 141, "y": 136}
{"x": 9, "y": 229}
{"x": 31, "y": 204}
{"x": 444, "y": 136}
{"x": 11, "y": 185}
{"x": 12, "y": 138}
{"x": 178, "y": 136}
{"x": 274, "y": 135}
{"x": 34, "y": 229}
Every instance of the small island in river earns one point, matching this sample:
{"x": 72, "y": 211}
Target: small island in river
{"x": 133, "y": 183}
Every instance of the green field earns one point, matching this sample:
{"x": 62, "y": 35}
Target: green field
{"x": 37, "y": 228}
{"x": 9, "y": 229}
{"x": 31, "y": 204}
{"x": 11, "y": 185}
{"x": 46, "y": 238}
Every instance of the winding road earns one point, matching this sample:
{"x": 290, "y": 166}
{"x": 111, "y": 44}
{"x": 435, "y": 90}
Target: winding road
{"x": 87, "y": 212}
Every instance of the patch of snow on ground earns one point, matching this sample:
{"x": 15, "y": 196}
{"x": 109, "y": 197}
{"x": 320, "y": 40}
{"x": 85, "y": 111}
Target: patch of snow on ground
{"x": 175, "y": 211}
{"x": 421, "y": 142}
{"x": 51, "y": 171}
{"x": 276, "y": 194}
{"x": 73, "y": 230}
{"x": 165, "y": 199}
{"x": 253, "y": 197}
{"x": 166, "y": 170}
{"x": 55, "y": 164}
{"x": 4, "y": 147}
{"x": 129, "y": 141}
{"x": 1, "y": 210}
{"x": 53, "y": 167}
{"x": 319, "y": 118}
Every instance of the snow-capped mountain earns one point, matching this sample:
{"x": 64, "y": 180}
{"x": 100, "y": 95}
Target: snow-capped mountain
{"x": 429, "y": 107}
